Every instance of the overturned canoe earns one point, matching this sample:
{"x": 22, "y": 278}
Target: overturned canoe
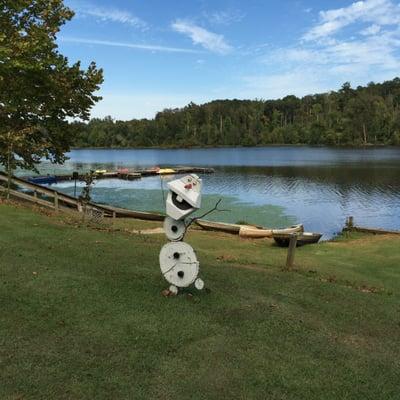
{"x": 303, "y": 238}
{"x": 218, "y": 226}
{"x": 254, "y": 233}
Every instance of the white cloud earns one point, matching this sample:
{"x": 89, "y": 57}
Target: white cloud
{"x": 378, "y": 12}
{"x": 325, "y": 57}
{"x": 149, "y": 47}
{"x": 299, "y": 82}
{"x": 209, "y": 40}
{"x": 375, "y": 50}
{"x": 126, "y": 106}
{"x": 371, "y": 30}
{"x": 226, "y": 17}
{"x": 109, "y": 14}
{"x": 294, "y": 56}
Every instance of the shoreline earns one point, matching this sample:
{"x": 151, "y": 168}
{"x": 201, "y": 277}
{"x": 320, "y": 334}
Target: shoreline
{"x": 173, "y": 147}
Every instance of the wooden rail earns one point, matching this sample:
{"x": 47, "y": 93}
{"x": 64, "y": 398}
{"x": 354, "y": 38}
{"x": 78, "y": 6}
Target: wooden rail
{"x": 62, "y": 201}
{"x": 38, "y": 189}
{"x": 35, "y": 188}
{"x": 376, "y": 231}
{"x": 27, "y": 197}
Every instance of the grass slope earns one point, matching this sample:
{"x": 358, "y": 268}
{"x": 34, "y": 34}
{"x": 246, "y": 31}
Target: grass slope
{"x": 82, "y": 317}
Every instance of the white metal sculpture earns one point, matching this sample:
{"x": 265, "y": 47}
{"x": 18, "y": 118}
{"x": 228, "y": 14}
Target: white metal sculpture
{"x": 178, "y": 261}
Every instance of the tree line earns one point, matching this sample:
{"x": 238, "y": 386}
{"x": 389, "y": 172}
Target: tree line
{"x": 349, "y": 116}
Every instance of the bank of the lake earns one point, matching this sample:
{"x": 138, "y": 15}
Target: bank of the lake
{"x": 82, "y": 316}
{"x": 271, "y": 186}
{"x": 271, "y": 145}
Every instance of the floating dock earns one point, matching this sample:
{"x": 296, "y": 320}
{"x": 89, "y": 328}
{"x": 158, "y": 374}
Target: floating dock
{"x": 125, "y": 174}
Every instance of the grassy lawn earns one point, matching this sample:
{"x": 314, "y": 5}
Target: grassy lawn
{"x": 82, "y": 316}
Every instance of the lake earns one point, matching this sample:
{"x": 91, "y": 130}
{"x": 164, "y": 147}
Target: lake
{"x": 270, "y": 186}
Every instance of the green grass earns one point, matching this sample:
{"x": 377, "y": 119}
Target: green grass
{"x": 82, "y": 316}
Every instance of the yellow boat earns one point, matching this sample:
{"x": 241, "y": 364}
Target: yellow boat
{"x": 166, "y": 171}
{"x": 100, "y": 171}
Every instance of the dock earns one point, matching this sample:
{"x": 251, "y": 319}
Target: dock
{"x": 124, "y": 174}
{"x": 351, "y": 227}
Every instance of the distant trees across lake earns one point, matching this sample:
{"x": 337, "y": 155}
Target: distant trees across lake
{"x": 361, "y": 116}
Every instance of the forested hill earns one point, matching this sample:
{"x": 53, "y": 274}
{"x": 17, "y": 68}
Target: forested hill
{"x": 365, "y": 115}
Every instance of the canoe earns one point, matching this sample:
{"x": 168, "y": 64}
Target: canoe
{"x": 303, "y": 238}
{"x": 43, "y": 180}
{"x": 218, "y": 226}
{"x": 254, "y": 233}
{"x": 166, "y": 171}
{"x": 100, "y": 171}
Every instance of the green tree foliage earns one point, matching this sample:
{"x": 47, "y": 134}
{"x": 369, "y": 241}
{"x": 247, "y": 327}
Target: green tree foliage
{"x": 85, "y": 196}
{"x": 365, "y": 115}
{"x": 39, "y": 89}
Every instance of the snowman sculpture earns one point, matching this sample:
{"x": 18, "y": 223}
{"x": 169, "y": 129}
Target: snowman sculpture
{"x": 178, "y": 261}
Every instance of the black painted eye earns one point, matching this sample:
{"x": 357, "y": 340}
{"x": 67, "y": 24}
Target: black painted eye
{"x": 174, "y": 228}
{"x": 176, "y": 256}
{"x": 181, "y": 274}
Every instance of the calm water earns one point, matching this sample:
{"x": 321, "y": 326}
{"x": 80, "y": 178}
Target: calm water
{"x": 272, "y": 186}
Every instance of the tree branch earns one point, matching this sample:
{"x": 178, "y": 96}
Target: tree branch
{"x": 215, "y": 208}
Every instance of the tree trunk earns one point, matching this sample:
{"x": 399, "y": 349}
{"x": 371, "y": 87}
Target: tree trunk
{"x": 9, "y": 169}
{"x": 365, "y": 133}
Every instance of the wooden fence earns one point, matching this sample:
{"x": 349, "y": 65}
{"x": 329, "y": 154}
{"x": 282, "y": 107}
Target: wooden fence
{"x": 53, "y": 199}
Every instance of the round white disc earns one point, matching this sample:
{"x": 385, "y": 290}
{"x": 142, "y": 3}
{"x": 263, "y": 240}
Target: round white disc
{"x": 199, "y": 284}
{"x": 178, "y": 263}
{"x": 175, "y": 230}
{"x": 173, "y": 289}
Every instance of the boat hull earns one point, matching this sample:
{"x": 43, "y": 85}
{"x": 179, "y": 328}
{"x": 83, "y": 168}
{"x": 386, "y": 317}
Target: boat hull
{"x": 218, "y": 226}
{"x": 304, "y": 238}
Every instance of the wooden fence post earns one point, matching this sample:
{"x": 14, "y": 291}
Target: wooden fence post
{"x": 56, "y": 201}
{"x": 351, "y": 221}
{"x": 291, "y": 251}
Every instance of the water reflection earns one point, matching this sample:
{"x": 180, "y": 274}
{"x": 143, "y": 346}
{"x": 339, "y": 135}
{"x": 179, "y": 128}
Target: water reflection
{"x": 251, "y": 156}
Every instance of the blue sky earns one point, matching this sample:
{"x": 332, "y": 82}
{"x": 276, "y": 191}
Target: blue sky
{"x": 160, "y": 54}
